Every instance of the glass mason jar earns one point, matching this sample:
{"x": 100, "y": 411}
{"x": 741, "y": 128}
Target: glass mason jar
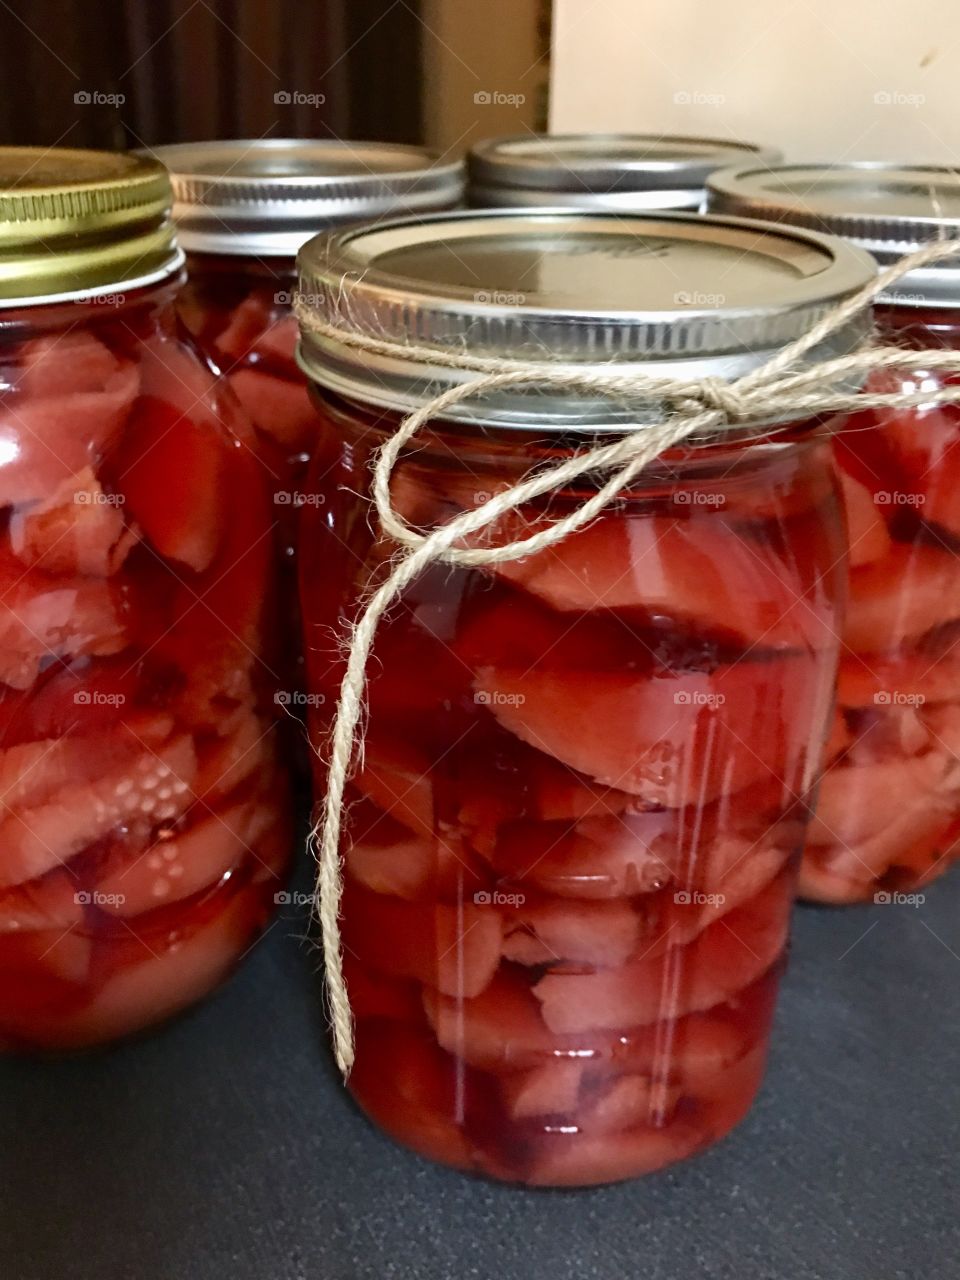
{"x": 145, "y": 820}
{"x": 243, "y": 208}
{"x": 572, "y": 845}
{"x": 616, "y": 172}
{"x": 888, "y": 816}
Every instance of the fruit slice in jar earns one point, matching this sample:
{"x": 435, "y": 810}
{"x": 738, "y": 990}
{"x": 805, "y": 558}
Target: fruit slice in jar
{"x": 179, "y": 865}
{"x": 725, "y": 1101}
{"x": 169, "y": 469}
{"x": 77, "y": 529}
{"x": 225, "y": 763}
{"x": 257, "y": 330}
{"x": 589, "y": 1096}
{"x": 638, "y": 854}
{"x": 414, "y": 682}
{"x": 85, "y": 696}
{"x": 898, "y": 599}
{"x": 44, "y": 618}
{"x": 593, "y": 933}
{"x": 52, "y": 901}
{"x": 942, "y": 725}
{"x": 386, "y": 858}
{"x": 671, "y": 739}
{"x": 884, "y": 733}
{"x": 549, "y": 1090}
{"x": 455, "y": 949}
{"x": 409, "y": 1087}
{"x": 857, "y": 802}
{"x": 500, "y": 1027}
{"x": 49, "y": 829}
{"x": 172, "y": 373}
{"x": 817, "y": 883}
{"x": 586, "y": 1159}
{"x": 925, "y": 447}
{"x": 279, "y": 408}
{"x": 265, "y": 377}
{"x": 872, "y": 679}
{"x": 277, "y": 343}
{"x": 560, "y": 792}
{"x": 245, "y": 326}
{"x": 869, "y": 539}
{"x": 704, "y": 886}
{"x": 622, "y": 1101}
{"x": 503, "y": 626}
{"x": 212, "y": 626}
{"x": 729, "y": 955}
{"x": 912, "y": 843}
{"x": 595, "y": 859}
{"x": 699, "y": 571}
{"x": 503, "y": 1029}
{"x": 35, "y": 771}
{"x": 711, "y": 884}
{"x": 64, "y": 363}
{"x": 396, "y": 776}
{"x": 144, "y": 982}
{"x": 906, "y": 856}
{"x": 74, "y": 396}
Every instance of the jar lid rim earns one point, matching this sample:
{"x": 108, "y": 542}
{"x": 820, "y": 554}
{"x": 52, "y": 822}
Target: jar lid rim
{"x": 75, "y": 221}
{"x": 267, "y": 196}
{"x": 888, "y": 208}
{"x": 603, "y": 290}
{"x": 600, "y": 163}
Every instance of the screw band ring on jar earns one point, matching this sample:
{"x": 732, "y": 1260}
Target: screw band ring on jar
{"x": 631, "y": 453}
{"x": 265, "y": 197}
{"x": 615, "y": 173}
{"x": 242, "y": 208}
{"x": 892, "y": 742}
{"x": 413, "y": 281}
{"x": 81, "y": 224}
{"x": 888, "y": 209}
{"x": 148, "y": 829}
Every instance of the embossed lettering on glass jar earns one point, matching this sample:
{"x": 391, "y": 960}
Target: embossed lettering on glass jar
{"x": 145, "y": 818}
{"x": 572, "y": 843}
{"x": 888, "y": 819}
{"x": 616, "y": 172}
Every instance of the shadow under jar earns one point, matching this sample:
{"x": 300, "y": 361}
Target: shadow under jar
{"x": 571, "y": 848}
{"x": 888, "y": 816}
{"x": 145, "y": 823}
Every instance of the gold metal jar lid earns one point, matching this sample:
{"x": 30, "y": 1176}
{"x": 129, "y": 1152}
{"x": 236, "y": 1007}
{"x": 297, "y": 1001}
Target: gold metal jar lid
{"x": 75, "y": 223}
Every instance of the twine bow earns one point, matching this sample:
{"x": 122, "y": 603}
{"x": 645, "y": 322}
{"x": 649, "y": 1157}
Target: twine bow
{"x": 775, "y": 390}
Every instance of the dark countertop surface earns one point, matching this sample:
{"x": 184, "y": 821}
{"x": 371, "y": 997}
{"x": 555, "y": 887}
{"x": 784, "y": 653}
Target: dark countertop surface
{"x": 223, "y": 1147}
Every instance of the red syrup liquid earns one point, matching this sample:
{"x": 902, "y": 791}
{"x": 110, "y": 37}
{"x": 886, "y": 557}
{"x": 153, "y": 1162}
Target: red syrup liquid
{"x": 571, "y": 849}
{"x": 241, "y": 314}
{"x": 145, "y": 825}
{"x": 888, "y": 817}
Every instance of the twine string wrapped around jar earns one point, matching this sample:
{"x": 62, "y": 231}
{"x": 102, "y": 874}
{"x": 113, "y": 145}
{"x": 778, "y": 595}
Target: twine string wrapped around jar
{"x": 687, "y": 410}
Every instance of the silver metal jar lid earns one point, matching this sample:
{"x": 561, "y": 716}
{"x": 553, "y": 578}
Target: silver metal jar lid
{"x": 616, "y": 172}
{"x": 677, "y": 295}
{"x": 267, "y": 196}
{"x": 887, "y": 209}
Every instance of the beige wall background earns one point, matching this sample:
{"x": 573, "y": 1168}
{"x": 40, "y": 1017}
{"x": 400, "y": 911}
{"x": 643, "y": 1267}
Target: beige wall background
{"x": 826, "y": 79}
{"x": 485, "y": 67}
